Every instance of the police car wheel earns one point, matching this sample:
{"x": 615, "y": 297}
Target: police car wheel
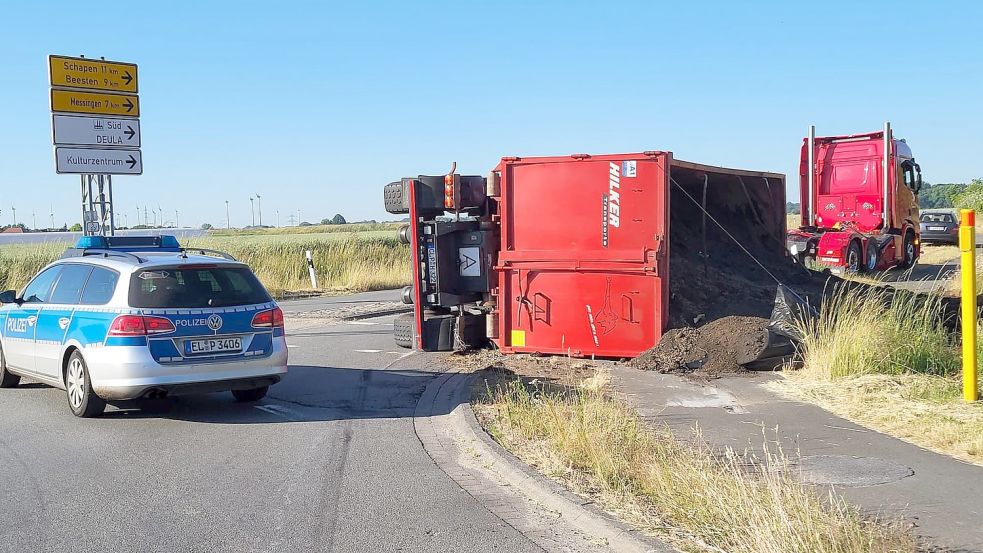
{"x": 7, "y": 379}
{"x": 81, "y": 399}
{"x": 255, "y": 394}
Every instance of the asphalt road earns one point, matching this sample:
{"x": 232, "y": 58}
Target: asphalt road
{"x": 328, "y": 462}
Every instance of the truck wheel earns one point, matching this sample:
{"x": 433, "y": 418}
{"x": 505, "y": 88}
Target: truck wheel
{"x": 854, "y": 255}
{"x": 908, "y": 251}
{"x": 397, "y": 200}
{"x": 871, "y": 263}
{"x": 403, "y": 329}
{"x": 7, "y": 379}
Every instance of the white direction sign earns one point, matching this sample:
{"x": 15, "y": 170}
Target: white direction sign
{"x": 70, "y": 130}
{"x": 98, "y": 161}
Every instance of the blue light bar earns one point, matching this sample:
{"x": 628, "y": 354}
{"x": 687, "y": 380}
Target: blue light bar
{"x": 163, "y": 242}
{"x": 168, "y": 241}
{"x": 90, "y": 242}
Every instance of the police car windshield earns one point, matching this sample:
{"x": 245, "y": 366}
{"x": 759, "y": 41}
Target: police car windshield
{"x": 195, "y": 287}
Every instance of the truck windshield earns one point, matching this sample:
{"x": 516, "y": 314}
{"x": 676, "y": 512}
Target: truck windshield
{"x": 195, "y": 287}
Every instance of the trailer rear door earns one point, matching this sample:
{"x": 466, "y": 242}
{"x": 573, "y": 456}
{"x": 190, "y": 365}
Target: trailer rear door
{"x": 583, "y": 265}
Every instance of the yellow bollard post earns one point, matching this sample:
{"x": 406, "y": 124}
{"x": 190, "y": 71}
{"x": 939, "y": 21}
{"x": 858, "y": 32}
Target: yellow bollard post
{"x": 967, "y": 255}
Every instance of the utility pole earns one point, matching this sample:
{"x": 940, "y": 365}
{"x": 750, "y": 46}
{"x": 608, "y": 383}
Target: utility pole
{"x": 177, "y": 222}
{"x": 259, "y": 201}
{"x": 278, "y": 218}
{"x": 228, "y": 221}
{"x": 14, "y": 209}
{"x": 52, "y": 210}
{"x": 146, "y": 217}
{"x": 125, "y": 220}
{"x": 252, "y": 210}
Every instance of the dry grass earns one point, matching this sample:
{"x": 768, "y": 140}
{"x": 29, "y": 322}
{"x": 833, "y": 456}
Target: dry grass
{"x": 938, "y": 255}
{"x": 345, "y": 262}
{"x": 19, "y": 263}
{"x": 884, "y": 360}
{"x": 704, "y": 502}
{"x": 877, "y": 331}
{"x": 310, "y": 229}
{"x": 922, "y": 409}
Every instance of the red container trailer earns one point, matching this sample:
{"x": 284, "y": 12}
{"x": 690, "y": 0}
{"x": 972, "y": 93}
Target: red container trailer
{"x": 568, "y": 254}
{"x": 859, "y": 202}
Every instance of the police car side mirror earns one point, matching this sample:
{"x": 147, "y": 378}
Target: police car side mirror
{"x": 10, "y": 296}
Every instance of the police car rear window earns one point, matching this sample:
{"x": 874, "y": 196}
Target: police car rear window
{"x": 195, "y": 287}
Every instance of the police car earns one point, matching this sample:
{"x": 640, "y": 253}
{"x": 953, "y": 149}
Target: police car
{"x": 121, "y": 318}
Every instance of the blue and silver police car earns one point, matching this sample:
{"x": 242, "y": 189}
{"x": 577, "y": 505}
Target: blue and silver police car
{"x": 121, "y": 318}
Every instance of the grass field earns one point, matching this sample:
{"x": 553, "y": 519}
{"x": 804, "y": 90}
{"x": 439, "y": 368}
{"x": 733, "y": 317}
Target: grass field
{"x": 700, "y": 500}
{"x": 344, "y": 261}
{"x": 884, "y": 361}
{"x": 312, "y": 229}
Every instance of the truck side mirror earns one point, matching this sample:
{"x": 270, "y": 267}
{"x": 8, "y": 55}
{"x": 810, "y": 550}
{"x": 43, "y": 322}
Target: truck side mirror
{"x": 918, "y": 178}
{"x": 10, "y": 296}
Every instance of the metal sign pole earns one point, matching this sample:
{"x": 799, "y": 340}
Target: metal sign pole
{"x": 112, "y": 215}
{"x": 82, "y": 181}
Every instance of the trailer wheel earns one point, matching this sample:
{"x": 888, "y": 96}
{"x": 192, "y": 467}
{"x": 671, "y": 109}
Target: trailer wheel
{"x": 908, "y": 249}
{"x": 853, "y": 258}
{"x": 403, "y": 329}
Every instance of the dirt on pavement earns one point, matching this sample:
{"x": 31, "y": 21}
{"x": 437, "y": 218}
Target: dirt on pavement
{"x": 719, "y": 347}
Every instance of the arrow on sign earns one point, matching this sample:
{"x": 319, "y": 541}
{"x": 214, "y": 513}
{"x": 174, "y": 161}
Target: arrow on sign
{"x": 129, "y": 105}
{"x": 131, "y": 161}
{"x": 129, "y": 132}
{"x": 127, "y": 77}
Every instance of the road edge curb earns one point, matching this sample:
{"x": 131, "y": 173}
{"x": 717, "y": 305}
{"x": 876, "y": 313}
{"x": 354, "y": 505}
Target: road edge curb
{"x": 579, "y": 512}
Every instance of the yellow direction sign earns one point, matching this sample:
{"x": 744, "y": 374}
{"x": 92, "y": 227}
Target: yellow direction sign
{"x": 100, "y": 103}
{"x": 92, "y": 74}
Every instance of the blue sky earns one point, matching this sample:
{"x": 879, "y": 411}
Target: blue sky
{"x": 316, "y": 106}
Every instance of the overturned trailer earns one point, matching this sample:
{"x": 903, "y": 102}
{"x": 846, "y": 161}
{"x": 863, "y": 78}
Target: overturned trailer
{"x": 585, "y": 255}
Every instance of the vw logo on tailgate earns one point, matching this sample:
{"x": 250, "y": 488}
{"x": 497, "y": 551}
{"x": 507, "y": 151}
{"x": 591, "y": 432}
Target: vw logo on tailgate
{"x": 214, "y": 322}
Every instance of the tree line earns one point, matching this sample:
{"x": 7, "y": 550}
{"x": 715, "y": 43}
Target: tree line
{"x": 936, "y": 196}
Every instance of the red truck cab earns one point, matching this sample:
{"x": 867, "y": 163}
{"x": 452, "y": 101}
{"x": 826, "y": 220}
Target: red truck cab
{"x": 859, "y": 202}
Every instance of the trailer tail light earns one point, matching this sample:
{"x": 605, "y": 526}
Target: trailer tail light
{"x": 271, "y": 318}
{"x": 138, "y": 325}
{"x": 449, "y": 202}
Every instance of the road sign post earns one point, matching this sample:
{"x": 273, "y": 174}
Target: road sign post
{"x": 95, "y": 128}
{"x": 76, "y": 130}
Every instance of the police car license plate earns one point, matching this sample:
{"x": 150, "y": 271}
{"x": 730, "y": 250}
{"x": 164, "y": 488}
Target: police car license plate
{"x": 936, "y": 228}
{"x": 213, "y": 345}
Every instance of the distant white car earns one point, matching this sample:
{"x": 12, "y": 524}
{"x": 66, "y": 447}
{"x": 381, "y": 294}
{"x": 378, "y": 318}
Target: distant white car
{"x": 141, "y": 317}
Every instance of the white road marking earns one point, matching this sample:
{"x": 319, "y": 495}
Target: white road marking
{"x": 280, "y": 411}
{"x": 292, "y": 346}
{"x": 368, "y": 351}
{"x": 362, "y": 323}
